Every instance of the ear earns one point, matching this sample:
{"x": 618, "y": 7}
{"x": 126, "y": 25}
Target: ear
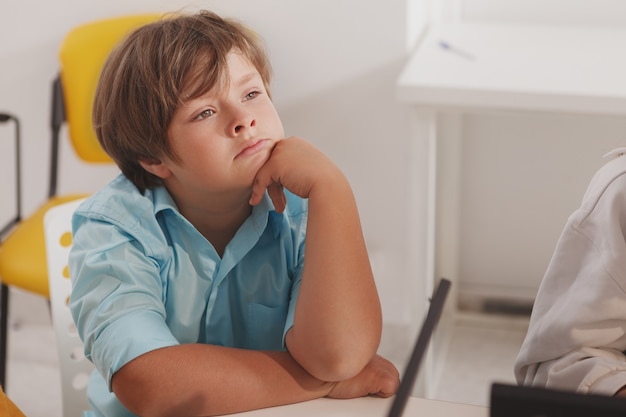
{"x": 156, "y": 167}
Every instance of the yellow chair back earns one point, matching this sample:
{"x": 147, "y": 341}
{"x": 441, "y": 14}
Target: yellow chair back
{"x": 82, "y": 55}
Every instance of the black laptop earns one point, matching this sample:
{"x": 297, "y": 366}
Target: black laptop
{"x": 522, "y": 401}
{"x": 419, "y": 350}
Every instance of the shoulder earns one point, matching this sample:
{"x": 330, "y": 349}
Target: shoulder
{"x": 121, "y": 210}
{"x": 119, "y": 202}
{"x": 607, "y": 186}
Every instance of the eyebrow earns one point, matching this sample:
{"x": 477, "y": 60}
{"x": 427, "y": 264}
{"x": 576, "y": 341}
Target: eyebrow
{"x": 248, "y": 77}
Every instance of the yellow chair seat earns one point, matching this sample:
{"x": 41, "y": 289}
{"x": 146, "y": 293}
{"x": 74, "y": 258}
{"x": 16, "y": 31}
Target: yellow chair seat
{"x": 8, "y": 407}
{"x": 23, "y": 253}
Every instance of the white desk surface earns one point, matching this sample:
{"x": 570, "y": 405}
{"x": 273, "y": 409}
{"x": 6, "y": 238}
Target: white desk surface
{"x": 369, "y": 407}
{"x": 516, "y": 67}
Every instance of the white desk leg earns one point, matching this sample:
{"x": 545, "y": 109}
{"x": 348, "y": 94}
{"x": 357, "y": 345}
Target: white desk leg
{"x": 449, "y": 163}
{"x": 435, "y": 185}
{"x": 447, "y": 205}
{"x": 422, "y": 228}
{"x": 431, "y": 199}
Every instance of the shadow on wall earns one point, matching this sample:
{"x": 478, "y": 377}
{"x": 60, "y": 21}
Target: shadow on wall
{"x": 364, "y": 129}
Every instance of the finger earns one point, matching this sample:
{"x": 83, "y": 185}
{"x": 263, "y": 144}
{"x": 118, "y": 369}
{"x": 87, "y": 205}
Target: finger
{"x": 277, "y": 194}
{"x": 258, "y": 189}
{"x": 255, "y": 198}
{"x": 388, "y": 387}
{"x": 383, "y": 394}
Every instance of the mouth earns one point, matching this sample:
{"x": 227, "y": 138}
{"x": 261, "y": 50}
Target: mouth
{"x": 253, "y": 147}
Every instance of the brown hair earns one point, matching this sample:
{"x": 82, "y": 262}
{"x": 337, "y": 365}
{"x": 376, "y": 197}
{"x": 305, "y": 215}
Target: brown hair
{"x": 154, "y": 70}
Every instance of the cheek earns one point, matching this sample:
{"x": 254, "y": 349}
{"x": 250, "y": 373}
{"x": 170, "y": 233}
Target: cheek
{"x": 276, "y": 122}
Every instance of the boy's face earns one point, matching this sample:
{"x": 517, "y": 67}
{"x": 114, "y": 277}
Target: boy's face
{"x": 223, "y": 137}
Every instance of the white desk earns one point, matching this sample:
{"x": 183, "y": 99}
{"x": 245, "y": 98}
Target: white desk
{"x": 369, "y": 407}
{"x": 537, "y": 68}
{"x": 500, "y": 67}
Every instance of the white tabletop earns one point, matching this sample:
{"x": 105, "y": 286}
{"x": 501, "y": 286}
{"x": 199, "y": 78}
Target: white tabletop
{"x": 369, "y": 407}
{"x": 515, "y": 67}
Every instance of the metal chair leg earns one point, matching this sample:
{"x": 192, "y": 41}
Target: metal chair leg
{"x": 4, "y": 321}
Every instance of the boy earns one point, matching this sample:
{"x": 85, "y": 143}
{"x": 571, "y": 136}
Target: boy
{"x": 193, "y": 289}
{"x": 577, "y": 334}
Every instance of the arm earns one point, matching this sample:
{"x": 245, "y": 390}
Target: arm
{"x": 203, "y": 380}
{"x": 337, "y": 324}
{"x": 576, "y": 335}
{"x": 200, "y": 380}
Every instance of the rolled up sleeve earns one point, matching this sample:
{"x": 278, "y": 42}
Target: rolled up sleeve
{"x": 117, "y": 297}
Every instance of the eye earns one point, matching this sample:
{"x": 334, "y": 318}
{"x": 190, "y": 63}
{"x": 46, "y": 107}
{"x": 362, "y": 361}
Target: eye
{"x": 251, "y": 95}
{"x": 205, "y": 114}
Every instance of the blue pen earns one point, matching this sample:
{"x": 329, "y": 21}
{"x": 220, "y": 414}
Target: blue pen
{"x": 445, "y": 45}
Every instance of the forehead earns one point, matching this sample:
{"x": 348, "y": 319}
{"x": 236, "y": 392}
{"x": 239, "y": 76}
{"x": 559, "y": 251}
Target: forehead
{"x": 215, "y": 75}
{"x": 240, "y": 69}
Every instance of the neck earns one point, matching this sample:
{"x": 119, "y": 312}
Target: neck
{"x": 217, "y": 218}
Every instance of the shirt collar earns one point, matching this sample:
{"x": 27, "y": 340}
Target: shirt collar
{"x": 262, "y": 214}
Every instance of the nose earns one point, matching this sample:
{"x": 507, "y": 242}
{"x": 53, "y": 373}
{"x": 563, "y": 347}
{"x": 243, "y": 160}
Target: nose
{"x": 241, "y": 123}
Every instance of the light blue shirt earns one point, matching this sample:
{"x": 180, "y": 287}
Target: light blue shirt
{"x": 144, "y": 278}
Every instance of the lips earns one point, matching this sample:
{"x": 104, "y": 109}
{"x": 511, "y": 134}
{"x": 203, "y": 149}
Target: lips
{"x": 253, "y": 146}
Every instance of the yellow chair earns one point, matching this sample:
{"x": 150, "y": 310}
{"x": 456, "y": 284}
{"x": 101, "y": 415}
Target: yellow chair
{"x": 82, "y": 54}
{"x": 8, "y": 407}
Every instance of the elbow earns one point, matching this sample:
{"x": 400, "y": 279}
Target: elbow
{"x": 149, "y": 398}
{"x": 333, "y": 359}
{"x": 148, "y": 403}
{"x": 333, "y": 366}
{"x": 142, "y": 408}
{"x": 340, "y": 370}
{"x": 138, "y": 400}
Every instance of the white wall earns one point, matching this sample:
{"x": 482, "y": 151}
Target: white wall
{"x": 556, "y": 12}
{"x": 335, "y": 63}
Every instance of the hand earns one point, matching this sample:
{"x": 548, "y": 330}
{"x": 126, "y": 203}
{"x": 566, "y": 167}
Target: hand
{"x": 379, "y": 377}
{"x": 296, "y": 165}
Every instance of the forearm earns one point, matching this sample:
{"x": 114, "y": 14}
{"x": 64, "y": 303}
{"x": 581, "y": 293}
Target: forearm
{"x": 205, "y": 380}
{"x": 338, "y": 322}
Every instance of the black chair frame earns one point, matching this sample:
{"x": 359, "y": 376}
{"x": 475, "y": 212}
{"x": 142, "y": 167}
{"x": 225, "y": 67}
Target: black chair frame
{"x": 57, "y": 120}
